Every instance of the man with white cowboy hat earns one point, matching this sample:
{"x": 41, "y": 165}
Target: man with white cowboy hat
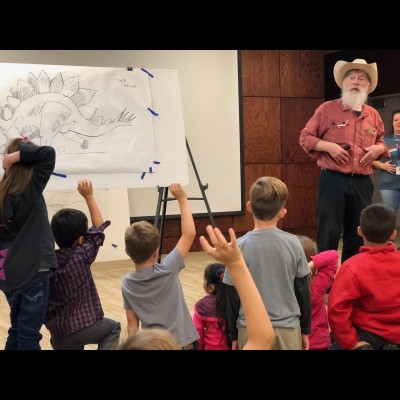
{"x": 344, "y": 136}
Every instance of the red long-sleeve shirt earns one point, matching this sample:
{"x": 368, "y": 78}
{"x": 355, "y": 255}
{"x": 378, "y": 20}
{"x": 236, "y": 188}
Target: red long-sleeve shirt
{"x": 366, "y": 294}
{"x": 334, "y": 122}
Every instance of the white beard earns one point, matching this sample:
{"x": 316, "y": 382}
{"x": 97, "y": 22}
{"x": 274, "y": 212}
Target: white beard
{"x": 354, "y": 100}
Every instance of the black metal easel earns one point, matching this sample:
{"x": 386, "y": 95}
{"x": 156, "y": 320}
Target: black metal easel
{"x": 163, "y": 199}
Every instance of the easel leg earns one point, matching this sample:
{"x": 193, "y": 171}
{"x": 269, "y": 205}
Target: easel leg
{"x": 159, "y": 201}
{"x": 202, "y": 187}
{"x": 162, "y": 198}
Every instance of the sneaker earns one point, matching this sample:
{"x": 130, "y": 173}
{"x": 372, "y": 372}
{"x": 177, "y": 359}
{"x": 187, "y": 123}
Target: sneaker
{"x": 391, "y": 346}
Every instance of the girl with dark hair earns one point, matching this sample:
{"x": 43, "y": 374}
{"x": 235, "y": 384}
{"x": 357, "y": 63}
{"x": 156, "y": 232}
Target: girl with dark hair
{"x": 210, "y": 312}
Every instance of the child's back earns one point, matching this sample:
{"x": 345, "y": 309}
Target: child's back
{"x": 364, "y": 302}
{"x": 153, "y": 293}
{"x": 323, "y": 269}
{"x": 278, "y": 266}
{"x": 366, "y": 294}
{"x": 275, "y": 259}
{"x": 210, "y": 312}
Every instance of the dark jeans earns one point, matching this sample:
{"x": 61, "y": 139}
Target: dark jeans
{"x": 341, "y": 198}
{"x": 377, "y": 342}
{"x": 105, "y": 333}
{"x": 28, "y": 307}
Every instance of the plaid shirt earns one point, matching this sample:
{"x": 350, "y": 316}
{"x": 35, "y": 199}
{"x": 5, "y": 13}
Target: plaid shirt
{"x": 74, "y": 303}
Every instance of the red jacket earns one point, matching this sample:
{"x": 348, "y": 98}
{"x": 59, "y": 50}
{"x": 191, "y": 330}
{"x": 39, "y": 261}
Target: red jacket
{"x": 206, "y": 323}
{"x": 326, "y": 263}
{"x": 366, "y": 294}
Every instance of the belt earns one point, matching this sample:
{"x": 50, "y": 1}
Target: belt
{"x": 343, "y": 174}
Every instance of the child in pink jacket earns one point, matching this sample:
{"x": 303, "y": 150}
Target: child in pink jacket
{"x": 323, "y": 269}
{"x": 210, "y": 312}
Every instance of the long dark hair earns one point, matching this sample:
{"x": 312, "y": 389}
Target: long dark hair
{"x": 213, "y": 274}
{"x": 18, "y": 176}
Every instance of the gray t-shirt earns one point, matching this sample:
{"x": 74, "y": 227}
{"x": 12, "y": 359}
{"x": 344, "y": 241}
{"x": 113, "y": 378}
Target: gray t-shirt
{"x": 275, "y": 258}
{"x": 155, "y": 295}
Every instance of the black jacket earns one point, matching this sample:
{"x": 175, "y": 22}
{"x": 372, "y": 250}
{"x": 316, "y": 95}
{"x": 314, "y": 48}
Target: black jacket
{"x": 25, "y": 228}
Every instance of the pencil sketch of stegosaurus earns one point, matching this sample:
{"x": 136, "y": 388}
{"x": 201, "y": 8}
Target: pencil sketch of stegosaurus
{"x": 41, "y": 108}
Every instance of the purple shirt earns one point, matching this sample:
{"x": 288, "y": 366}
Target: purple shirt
{"x": 74, "y": 303}
{"x": 336, "y": 123}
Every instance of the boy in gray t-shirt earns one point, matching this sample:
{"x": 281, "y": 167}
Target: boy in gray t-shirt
{"x": 279, "y": 267}
{"x": 153, "y": 293}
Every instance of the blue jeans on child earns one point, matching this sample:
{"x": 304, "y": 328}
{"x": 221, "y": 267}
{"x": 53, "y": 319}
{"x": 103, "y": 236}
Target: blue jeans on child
{"x": 28, "y": 307}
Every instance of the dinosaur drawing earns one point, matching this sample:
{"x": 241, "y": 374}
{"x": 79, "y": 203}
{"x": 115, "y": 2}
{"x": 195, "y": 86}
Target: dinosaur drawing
{"x": 40, "y": 109}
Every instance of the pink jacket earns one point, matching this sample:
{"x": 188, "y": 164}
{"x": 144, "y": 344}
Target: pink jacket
{"x": 326, "y": 264}
{"x": 206, "y": 323}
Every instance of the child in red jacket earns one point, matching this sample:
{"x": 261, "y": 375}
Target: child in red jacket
{"x": 364, "y": 302}
{"x": 210, "y": 312}
{"x": 323, "y": 269}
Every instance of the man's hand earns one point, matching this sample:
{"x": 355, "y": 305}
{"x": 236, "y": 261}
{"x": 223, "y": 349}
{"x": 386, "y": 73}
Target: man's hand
{"x": 338, "y": 153}
{"x": 373, "y": 152}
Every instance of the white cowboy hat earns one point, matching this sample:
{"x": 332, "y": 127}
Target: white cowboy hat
{"x": 341, "y": 67}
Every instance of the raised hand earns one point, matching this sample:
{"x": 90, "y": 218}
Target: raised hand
{"x": 221, "y": 250}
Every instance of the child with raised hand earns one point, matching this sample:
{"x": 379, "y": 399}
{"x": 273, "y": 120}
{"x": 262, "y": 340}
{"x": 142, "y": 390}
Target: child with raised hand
{"x": 153, "y": 293}
{"x": 75, "y": 316}
{"x": 323, "y": 268}
{"x": 26, "y": 242}
{"x": 210, "y": 312}
{"x": 259, "y": 328}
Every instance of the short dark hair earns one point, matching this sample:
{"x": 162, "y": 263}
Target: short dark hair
{"x": 68, "y": 225}
{"x": 377, "y": 223}
{"x": 391, "y": 121}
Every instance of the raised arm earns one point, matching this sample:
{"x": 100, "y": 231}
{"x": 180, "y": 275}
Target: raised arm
{"x": 259, "y": 327}
{"x": 187, "y": 224}
{"x": 10, "y": 159}
{"x": 85, "y": 189}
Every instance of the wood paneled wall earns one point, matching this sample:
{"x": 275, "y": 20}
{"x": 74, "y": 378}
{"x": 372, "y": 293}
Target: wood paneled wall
{"x": 280, "y": 91}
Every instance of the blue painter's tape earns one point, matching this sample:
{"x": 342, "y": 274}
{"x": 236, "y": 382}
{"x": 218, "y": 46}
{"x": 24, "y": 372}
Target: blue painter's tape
{"x": 143, "y": 175}
{"x": 147, "y": 72}
{"x": 60, "y": 175}
{"x": 153, "y": 112}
